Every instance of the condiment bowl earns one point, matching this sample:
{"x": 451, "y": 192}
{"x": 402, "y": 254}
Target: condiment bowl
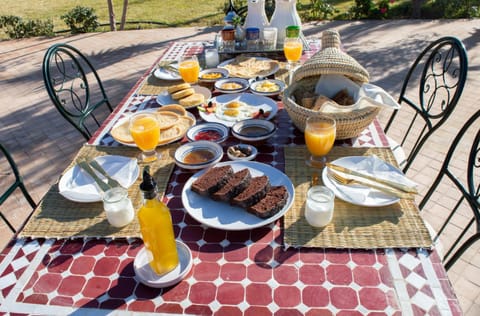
{"x": 215, "y": 132}
{"x": 198, "y": 155}
{"x": 267, "y": 87}
{"x": 253, "y": 130}
{"x": 242, "y": 152}
{"x": 212, "y": 74}
{"x": 232, "y": 85}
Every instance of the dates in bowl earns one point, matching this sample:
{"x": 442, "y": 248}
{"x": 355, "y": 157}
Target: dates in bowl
{"x": 214, "y": 132}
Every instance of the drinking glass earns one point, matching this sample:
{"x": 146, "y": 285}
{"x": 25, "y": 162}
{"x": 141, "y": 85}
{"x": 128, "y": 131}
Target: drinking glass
{"x": 145, "y": 130}
{"x": 189, "y": 68}
{"x": 292, "y": 47}
{"x": 320, "y": 132}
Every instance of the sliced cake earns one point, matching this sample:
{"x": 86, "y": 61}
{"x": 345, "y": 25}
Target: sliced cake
{"x": 272, "y": 203}
{"x": 236, "y": 184}
{"x": 255, "y": 191}
{"x": 212, "y": 180}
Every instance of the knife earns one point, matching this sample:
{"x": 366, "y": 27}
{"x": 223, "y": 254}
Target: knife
{"x": 86, "y": 167}
{"x": 111, "y": 181}
{"x": 389, "y": 183}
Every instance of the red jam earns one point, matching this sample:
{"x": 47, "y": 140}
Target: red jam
{"x": 210, "y": 135}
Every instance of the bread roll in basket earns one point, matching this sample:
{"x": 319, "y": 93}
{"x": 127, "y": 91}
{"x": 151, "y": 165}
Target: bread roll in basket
{"x": 330, "y": 60}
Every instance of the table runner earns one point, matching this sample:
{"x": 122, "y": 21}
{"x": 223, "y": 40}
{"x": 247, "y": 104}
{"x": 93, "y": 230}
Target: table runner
{"x": 398, "y": 225}
{"x": 57, "y": 217}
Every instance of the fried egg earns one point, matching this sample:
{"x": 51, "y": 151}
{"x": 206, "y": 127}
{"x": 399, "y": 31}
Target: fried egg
{"x": 235, "y": 111}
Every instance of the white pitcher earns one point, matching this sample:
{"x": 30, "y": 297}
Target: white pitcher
{"x": 256, "y": 16}
{"x": 285, "y": 14}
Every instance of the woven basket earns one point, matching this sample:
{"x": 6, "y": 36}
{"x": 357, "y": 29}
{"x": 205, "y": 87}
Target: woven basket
{"x": 330, "y": 60}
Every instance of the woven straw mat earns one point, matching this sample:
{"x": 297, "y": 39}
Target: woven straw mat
{"x": 352, "y": 226}
{"x": 57, "y": 217}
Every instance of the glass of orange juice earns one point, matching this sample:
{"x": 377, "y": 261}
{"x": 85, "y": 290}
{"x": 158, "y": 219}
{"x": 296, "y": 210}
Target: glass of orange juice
{"x": 292, "y": 48}
{"x": 320, "y": 132}
{"x": 189, "y": 68}
{"x": 145, "y": 131}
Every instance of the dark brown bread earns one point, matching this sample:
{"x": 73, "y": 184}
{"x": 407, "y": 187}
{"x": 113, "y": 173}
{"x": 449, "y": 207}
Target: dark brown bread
{"x": 236, "y": 184}
{"x": 255, "y": 191}
{"x": 212, "y": 180}
{"x": 272, "y": 203}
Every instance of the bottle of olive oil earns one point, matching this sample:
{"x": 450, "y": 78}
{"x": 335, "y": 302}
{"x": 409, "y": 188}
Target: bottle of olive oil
{"x": 157, "y": 228}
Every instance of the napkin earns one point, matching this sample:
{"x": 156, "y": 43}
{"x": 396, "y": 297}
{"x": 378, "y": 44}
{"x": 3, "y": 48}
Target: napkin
{"x": 77, "y": 185}
{"x": 375, "y": 166}
{"x": 365, "y": 95}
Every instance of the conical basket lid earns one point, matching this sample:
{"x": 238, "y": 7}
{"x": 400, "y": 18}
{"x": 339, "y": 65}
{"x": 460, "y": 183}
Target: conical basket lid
{"x": 332, "y": 60}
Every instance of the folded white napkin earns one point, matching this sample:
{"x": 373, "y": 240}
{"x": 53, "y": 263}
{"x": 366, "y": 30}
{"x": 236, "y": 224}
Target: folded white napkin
{"x": 77, "y": 185}
{"x": 365, "y": 95}
{"x": 372, "y": 165}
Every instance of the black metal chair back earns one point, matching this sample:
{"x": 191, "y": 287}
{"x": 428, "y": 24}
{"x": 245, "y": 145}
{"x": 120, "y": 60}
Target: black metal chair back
{"x": 468, "y": 188}
{"x": 9, "y": 172}
{"x": 439, "y": 74}
{"x": 74, "y": 87}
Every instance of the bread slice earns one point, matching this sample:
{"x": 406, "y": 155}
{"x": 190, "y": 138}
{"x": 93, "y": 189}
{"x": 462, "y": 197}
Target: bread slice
{"x": 212, "y": 180}
{"x": 121, "y": 133}
{"x": 169, "y": 135}
{"x": 193, "y": 99}
{"x": 237, "y": 183}
{"x": 255, "y": 191}
{"x": 166, "y": 119}
{"x": 178, "y": 87}
{"x": 175, "y": 108}
{"x": 271, "y": 204}
{"x": 182, "y": 93}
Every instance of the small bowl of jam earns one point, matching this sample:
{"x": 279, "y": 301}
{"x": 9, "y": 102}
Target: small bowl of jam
{"x": 198, "y": 155}
{"x": 253, "y": 130}
{"x": 214, "y": 132}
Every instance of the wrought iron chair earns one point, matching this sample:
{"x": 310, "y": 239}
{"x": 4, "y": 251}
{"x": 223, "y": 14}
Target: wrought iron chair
{"x": 9, "y": 172}
{"x": 74, "y": 87}
{"x": 438, "y": 74}
{"x": 468, "y": 189}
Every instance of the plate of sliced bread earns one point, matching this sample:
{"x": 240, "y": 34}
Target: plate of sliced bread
{"x": 174, "y": 123}
{"x": 238, "y": 195}
{"x": 188, "y": 96}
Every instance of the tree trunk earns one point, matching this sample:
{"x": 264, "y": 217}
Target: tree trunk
{"x": 124, "y": 15}
{"x": 417, "y": 8}
{"x": 111, "y": 15}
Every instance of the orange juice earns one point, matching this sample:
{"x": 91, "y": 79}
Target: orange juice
{"x": 145, "y": 131}
{"x": 319, "y": 138}
{"x": 293, "y": 50}
{"x": 189, "y": 70}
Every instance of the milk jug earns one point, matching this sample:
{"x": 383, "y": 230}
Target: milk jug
{"x": 256, "y": 16}
{"x": 285, "y": 14}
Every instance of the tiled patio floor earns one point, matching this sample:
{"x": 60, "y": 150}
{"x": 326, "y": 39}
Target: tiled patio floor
{"x": 43, "y": 143}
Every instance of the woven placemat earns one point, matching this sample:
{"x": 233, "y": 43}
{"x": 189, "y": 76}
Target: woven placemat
{"x": 154, "y": 86}
{"x": 57, "y": 217}
{"x": 352, "y": 226}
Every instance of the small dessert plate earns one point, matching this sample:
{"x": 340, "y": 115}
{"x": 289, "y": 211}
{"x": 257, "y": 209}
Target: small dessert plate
{"x": 148, "y": 277}
{"x": 244, "y": 152}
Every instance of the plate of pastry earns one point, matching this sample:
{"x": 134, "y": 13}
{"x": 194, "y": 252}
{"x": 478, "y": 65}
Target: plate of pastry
{"x": 185, "y": 94}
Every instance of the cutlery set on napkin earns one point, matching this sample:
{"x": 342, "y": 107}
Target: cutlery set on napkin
{"x": 368, "y": 181}
{"x": 88, "y": 179}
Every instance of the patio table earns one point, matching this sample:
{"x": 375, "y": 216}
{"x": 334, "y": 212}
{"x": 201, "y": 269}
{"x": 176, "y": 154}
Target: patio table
{"x": 249, "y": 272}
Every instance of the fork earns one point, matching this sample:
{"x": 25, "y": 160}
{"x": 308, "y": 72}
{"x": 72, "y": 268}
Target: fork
{"x": 348, "y": 181}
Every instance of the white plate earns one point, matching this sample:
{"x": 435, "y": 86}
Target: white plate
{"x": 261, "y": 102}
{"x": 145, "y": 274}
{"x": 222, "y": 215}
{"x": 161, "y": 73}
{"x": 125, "y": 118}
{"x": 359, "y": 194}
{"x": 274, "y": 70}
{"x": 165, "y": 98}
{"x": 76, "y": 185}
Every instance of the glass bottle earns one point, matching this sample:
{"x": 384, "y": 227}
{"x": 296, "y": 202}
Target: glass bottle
{"x": 157, "y": 228}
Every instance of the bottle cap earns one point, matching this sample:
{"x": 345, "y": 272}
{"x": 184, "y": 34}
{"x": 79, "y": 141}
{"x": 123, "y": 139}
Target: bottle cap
{"x": 148, "y": 185}
{"x": 292, "y": 31}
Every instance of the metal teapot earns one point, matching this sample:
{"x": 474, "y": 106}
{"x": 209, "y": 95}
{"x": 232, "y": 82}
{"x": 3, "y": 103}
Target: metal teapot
{"x": 256, "y": 16}
{"x": 285, "y": 14}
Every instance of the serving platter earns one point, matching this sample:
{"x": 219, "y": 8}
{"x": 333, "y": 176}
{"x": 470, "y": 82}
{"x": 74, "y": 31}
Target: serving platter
{"x": 241, "y": 68}
{"x": 224, "y": 216}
